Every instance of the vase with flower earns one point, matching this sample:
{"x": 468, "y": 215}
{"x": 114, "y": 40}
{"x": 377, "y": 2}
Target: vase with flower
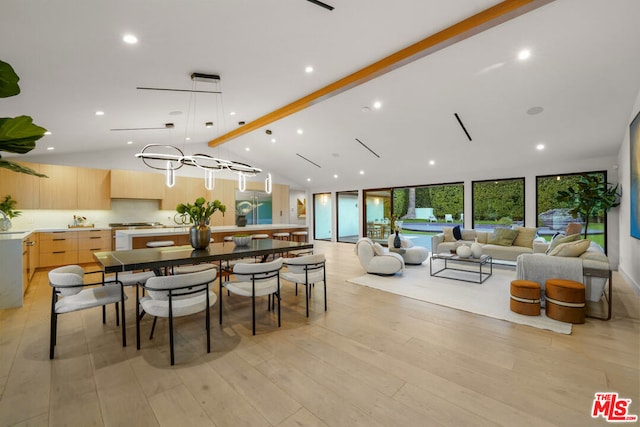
{"x": 200, "y": 214}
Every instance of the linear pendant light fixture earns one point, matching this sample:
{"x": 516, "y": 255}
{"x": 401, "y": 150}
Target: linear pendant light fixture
{"x": 169, "y": 158}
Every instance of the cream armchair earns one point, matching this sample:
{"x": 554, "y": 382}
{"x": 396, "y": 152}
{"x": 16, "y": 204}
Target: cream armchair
{"x": 377, "y": 260}
{"x": 412, "y": 255}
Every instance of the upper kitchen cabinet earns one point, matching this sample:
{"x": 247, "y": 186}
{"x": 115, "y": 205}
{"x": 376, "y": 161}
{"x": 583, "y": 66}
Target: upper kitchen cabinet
{"x": 280, "y": 203}
{"x": 186, "y": 190}
{"x": 25, "y": 189}
{"x": 59, "y": 191}
{"x": 94, "y": 189}
{"x": 137, "y": 185}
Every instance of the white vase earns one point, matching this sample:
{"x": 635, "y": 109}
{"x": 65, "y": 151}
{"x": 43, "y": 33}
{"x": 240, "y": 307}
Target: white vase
{"x": 476, "y": 249}
{"x": 5, "y": 224}
{"x": 463, "y": 251}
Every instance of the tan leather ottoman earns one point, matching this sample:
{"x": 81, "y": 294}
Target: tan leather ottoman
{"x": 525, "y": 297}
{"x": 565, "y": 300}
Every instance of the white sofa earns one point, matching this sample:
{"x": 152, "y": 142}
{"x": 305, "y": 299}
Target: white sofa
{"x": 441, "y": 243}
{"x": 378, "y": 260}
{"x": 412, "y": 255}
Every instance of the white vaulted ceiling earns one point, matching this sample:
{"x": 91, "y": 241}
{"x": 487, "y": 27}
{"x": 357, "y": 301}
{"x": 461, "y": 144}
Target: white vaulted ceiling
{"x": 584, "y": 71}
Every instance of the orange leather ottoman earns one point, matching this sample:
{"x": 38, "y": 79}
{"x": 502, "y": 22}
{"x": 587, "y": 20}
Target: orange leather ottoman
{"x": 525, "y": 297}
{"x": 565, "y": 300}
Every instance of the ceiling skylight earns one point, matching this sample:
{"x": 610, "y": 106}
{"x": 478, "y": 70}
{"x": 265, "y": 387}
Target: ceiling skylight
{"x": 130, "y": 39}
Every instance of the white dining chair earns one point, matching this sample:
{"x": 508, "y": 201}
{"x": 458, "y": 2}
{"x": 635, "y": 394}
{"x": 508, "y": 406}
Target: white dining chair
{"x": 70, "y": 293}
{"x": 256, "y": 280}
{"x": 307, "y": 270}
{"x": 176, "y": 296}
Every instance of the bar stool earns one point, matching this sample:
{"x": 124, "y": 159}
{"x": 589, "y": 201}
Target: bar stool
{"x": 228, "y": 238}
{"x": 160, "y": 244}
{"x": 260, "y": 236}
{"x": 299, "y": 236}
{"x": 281, "y": 236}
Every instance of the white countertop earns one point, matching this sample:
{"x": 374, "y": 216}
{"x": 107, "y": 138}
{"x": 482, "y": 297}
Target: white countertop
{"x": 214, "y": 229}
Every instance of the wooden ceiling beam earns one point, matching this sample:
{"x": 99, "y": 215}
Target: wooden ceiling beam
{"x": 489, "y": 18}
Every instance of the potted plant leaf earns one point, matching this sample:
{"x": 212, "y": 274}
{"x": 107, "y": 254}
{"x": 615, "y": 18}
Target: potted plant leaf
{"x": 590, "y": 196}
{"x": 17, "y": 134}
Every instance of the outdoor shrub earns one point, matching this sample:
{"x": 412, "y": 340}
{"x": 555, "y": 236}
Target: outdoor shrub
{"x": 505, "y": 220}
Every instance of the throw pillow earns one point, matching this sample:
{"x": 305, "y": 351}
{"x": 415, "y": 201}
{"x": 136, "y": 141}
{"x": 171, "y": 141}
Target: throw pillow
{"x": 571, "y": 249}
{"x": 378, "y": 249}
{"x": 469, "y": 235}
{"x": 456, "y": 232}
{"x": 405, "y": 243}
{"x": 503, "y": 237}
{"x": 525, "y": 236}
{"x": 560, "y": 239}
{"x": 448, "y": 234}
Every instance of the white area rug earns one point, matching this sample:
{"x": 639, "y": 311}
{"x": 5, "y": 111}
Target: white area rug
{"x": 489, "y": 299}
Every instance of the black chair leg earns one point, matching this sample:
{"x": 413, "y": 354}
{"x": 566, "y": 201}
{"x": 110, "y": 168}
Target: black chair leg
{"x": 54, "y": 324}
{"x": 253, "y": 314}
{"x": 306, "y": 295}
{"x": 153, "y": 327}
{"x": 171, "y": 337}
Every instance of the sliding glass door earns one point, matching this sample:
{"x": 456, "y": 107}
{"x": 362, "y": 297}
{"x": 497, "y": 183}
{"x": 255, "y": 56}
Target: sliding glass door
{"x": 322, "y": 216}
{"x": 348, "y": 216}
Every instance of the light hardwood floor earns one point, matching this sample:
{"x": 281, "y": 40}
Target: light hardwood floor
{"x": 373, "y": 359}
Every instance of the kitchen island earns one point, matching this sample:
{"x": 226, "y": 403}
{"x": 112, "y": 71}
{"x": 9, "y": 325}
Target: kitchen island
{"x": 137, "y": 239}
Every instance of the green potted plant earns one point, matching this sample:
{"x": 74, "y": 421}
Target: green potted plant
{"x": 7, "y": 209}
{"x": 17, "y": 134}
{"x": 589, "y": 197}
{"x": 199, "y": 214}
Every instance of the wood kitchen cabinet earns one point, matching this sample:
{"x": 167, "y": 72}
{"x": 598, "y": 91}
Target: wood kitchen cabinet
{"x": 137, "y": 185}
{"x": 186, "y": 190}
{"x": 90, "y": 241}
{"x": 58, "y": 248}
{"x": 94, "y": 189}
{"x": 280, "y": 204}
{"x": 59, "y": 191}
{"x": 25, "y": 189}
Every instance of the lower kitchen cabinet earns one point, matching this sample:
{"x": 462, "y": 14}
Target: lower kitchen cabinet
{"x": 90, "y": 241}
{"x": 58, "y": 248}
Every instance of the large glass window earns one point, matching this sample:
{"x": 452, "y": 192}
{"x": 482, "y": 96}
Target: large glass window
{"x": 424, "y": 210}
{"x": 322, "y": 216}
{"x": 553, "y": 216}
{"x": 348, "y": 216}
{"x": 377, "y": 213}
{"x": 498, "y": 203}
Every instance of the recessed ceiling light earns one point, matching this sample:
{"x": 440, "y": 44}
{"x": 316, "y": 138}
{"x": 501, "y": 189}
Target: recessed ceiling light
{"x": 361, "y": 172}
{"x": 129, "y": 142}
{"x": 47, "y": 133}
{"x": 540, "y": 147}
{"x": 247, "y": 149}
{"x": 187, "y": 139}
{"x": 99, "y": 113}
{"x": 50, "y": 148}
{"x": 273, "y": 140}
{"x": 308, "y": 69}
{"x": 335, "y": 175}
{"x": 524, "y": 54}
{"x": 377, "y": 105}
{"x": 233, "y": 113}
{"x": 308, "y": 179}
{"x": 208, "y": 124}
{"x": 130, "y": 39}
{"x": 300, "y": 131}
{"x": 432, "y": 162}
{"x": 535, "y": 110}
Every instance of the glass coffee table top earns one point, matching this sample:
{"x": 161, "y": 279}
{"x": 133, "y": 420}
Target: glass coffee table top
{"x": 475, "y": 272}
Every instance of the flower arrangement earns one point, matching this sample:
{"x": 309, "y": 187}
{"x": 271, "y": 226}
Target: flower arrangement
{"x": 79, "y": 220}
{"x": 201, "y": 210}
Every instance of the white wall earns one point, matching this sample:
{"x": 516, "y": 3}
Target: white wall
{"x": 629, "y": 246}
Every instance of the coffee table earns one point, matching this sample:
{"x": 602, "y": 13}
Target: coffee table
{"x": 474, "y": 267}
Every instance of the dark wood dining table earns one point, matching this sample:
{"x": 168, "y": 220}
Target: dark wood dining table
{"x": 162, "y": 259}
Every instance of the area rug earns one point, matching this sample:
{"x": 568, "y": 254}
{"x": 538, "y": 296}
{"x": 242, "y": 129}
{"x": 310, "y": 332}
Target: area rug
{"x": 489, "y": 299}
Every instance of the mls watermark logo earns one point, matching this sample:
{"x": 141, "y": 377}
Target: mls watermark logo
{"x": 612, "y": 408}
